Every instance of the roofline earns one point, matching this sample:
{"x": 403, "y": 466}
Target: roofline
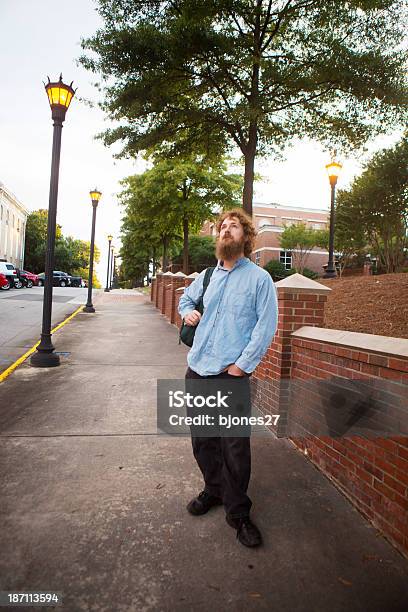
{"x": 14, "y": 198}
{"x": 290, "y": 207}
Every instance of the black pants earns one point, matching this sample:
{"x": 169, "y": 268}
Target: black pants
{"x": 225, "y": 463}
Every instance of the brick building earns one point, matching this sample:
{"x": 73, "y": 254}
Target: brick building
{"x": 270, "y": 220}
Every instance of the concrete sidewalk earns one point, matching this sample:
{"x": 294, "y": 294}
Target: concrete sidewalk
{"x": 93, "y": 500}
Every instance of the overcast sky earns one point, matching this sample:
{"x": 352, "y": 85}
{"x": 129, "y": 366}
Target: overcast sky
{"x": 40, "y": 38}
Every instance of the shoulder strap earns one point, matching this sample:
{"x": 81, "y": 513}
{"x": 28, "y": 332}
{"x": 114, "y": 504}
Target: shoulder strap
{"x": 206, "y": 280}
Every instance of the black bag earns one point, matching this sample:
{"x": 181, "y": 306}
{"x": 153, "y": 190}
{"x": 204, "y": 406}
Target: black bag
{"x": 187, "y": 332}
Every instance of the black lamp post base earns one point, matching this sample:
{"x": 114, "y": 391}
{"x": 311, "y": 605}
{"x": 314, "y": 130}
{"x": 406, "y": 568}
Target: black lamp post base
{"x": 330, "y": 274}
{"x": 43, "y": 359}
{"x": 106, "y": 290}
{"x": 89, "y": 308}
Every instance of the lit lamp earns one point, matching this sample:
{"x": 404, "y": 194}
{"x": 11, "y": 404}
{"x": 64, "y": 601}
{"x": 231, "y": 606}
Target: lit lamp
{"x": 95, "y": 197}
{"x": 110, "y": 238}
{"x": 59, "y": 96}
{"x": 333, "y": 170}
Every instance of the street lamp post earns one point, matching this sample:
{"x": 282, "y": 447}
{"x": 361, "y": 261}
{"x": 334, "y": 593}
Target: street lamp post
{"x": 59, "y": 96}
{"x": 95, "y": 197}
{"x": 333, "y": 170}
{"x": 109, "y": 256}
{"x": 112, "y": 268}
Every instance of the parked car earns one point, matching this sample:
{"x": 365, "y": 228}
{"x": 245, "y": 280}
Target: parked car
{"x": 32, "y": 279}
{"x": 4, "y": 282}
{"x": 9, "y": 271}
{"x": 60, "y": 279}
{"x": 76, "y": 281}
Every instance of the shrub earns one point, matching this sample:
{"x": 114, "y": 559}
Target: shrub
{"x": 276, "y": 269}
{"x": 310, "y": 273}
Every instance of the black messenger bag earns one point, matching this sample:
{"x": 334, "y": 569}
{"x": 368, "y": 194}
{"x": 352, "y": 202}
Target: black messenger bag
{"x": 187, "y": 332}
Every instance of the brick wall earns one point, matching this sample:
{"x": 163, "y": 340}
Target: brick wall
{"x": 337, "y": 393}
{"x": 153, "y": 288}
{"x": 371, "y": 470}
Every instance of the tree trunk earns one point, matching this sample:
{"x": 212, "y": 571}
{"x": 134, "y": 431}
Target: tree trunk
{"x": 165, "y": 262}
{"x": 154, "y": 262}
{"x": 147, "y": 273}
{"x": 250, "y": 152}
{"x": 250, "y": 149}
{"x": 185, "y": 245}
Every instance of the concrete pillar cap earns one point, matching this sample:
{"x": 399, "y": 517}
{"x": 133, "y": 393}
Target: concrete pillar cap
{"x": 179, "y": 274}
{"x": 193, "y": 275}
{"x": 168, "y": 274}
{"x": 299, "y": 283}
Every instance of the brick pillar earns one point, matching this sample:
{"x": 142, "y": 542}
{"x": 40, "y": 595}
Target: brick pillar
{"x": 190, "y": 278}
{"x": 162, "y": 299}
{"x": 153, "y": 288}
{"x": 159, "y": 281}
{"x": 177, "y": 282}
{"x": 300, "y": 302}
{"x": 177, "y": 295}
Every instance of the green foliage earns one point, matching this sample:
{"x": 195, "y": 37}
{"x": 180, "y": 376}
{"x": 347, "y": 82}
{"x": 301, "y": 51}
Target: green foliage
{"x": 374, "y": 211}
{"x": 36, "y": 240}
{"x": 308, "y": 273}
{"x": 276, "y": 269}
{"x": 71, "y": 255}
{"x": 200, "y": 77}
{"x": 201, "y": 253}
{"x": 167, "y": 202}
{"x": 300, "y": 240}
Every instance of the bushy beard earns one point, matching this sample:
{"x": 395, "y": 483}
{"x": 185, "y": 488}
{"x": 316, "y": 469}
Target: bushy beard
{"x": 229, "y": 249}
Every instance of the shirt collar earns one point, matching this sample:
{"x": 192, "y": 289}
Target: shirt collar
{"x": 239, "y": 262}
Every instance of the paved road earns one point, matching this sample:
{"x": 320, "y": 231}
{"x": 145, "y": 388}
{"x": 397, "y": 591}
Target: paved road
{"x": 21, "y": 317}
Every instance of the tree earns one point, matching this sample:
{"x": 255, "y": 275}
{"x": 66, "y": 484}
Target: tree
{"x": 201, "y": 253}
{"x": 36, "y": 240}
{"x": 349, "y": 241}
{"x": 70, "y": 255}
{"x": 177, "y": 195}
{"x": 300, "y": 240}
{"x": 375, "y": 208}
{"x": 204, "y": 76}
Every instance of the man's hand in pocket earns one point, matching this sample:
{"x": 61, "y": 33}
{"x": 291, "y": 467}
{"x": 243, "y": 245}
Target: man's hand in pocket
{"x": 234, "y": 370}
{"x": 192, "y": 318}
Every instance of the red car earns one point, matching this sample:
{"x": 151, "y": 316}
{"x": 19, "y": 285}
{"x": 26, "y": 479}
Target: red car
{"x": 4, "y": 284}
{"x": 30, "y": 278}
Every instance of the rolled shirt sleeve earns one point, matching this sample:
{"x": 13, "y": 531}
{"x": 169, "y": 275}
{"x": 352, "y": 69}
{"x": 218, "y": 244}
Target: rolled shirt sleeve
{"x": 265, "y": 328}
{"x": 191, "y": 295}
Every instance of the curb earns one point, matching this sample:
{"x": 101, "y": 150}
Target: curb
{"x": 20, "y": 360}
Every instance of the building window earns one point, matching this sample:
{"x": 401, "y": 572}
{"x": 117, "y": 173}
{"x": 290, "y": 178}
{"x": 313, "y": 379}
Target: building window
{"x": 1, "y": 217}
{"x": 258, "y": 258}
{"x": 318, "y": 225}
{"x": 18, "y": 225}
{"x": 7, "y": 217}
{"x": 266, "y": 222}
{"x": 285, "y": 257}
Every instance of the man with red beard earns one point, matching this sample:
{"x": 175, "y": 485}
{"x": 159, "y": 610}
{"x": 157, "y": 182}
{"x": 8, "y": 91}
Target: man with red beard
{"x": 237, "y": 326}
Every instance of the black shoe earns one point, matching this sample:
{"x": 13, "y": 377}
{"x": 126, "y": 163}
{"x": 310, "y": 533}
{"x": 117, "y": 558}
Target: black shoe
{"x": 247, "y": 533}
{"x": 202, "y": 503}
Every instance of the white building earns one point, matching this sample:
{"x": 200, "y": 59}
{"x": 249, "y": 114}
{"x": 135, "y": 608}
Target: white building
{"x": 13, "y": 220}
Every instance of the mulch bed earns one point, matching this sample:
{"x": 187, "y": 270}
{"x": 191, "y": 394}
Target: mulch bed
{"x": 368, "y": 304}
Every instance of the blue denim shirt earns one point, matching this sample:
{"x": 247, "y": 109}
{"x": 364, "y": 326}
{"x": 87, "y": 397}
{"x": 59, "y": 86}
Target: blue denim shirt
{"x": 239, "y": 320}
